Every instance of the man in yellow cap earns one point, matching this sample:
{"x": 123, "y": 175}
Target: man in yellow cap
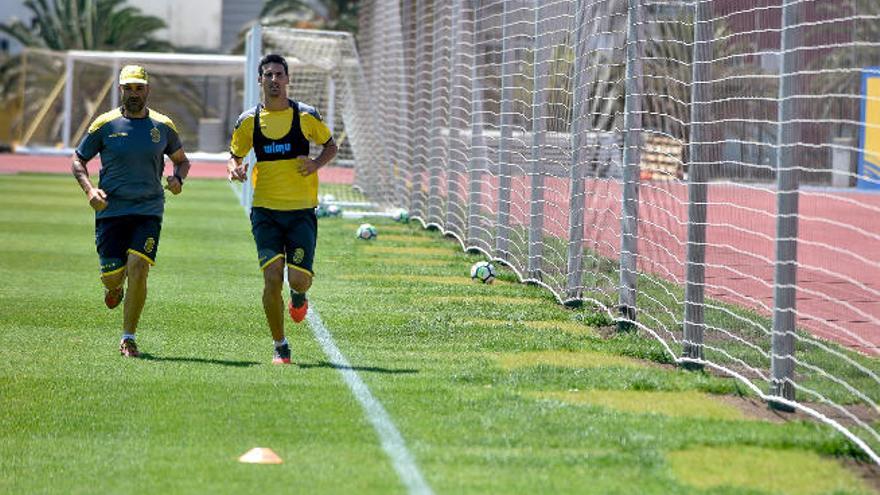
{"x": 129, "y": 200}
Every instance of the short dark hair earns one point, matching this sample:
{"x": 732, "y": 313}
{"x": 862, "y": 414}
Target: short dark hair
{"x": 273, "y": 58}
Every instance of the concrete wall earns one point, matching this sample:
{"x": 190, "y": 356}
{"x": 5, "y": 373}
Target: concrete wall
{"x": 192, "y": 24}
{"x": 236, "y": 15}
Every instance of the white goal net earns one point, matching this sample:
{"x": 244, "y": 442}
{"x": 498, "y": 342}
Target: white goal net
{"x": 325, "y": 73}
{"x": 706, "y": 171}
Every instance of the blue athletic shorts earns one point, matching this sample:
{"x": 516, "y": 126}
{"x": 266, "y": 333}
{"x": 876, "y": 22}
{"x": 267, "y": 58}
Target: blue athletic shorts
{"x": 117, "y": 237}
{"x": 291, "y": 234}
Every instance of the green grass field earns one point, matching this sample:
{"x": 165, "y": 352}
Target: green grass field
{"x": 494, "y": 389}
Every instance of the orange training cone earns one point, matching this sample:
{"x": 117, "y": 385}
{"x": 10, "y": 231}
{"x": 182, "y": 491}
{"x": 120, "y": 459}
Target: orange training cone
{"x": 259, "y": 455}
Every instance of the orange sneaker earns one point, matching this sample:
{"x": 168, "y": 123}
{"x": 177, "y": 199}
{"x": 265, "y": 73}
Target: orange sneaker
{"x": 282, "y": 355}
{"x": 298, "y": 314}
{"x": 128, "y": 348}
{"x": 112, "y": 297}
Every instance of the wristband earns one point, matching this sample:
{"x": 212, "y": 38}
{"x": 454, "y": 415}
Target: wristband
{"x": 179, "y": 179}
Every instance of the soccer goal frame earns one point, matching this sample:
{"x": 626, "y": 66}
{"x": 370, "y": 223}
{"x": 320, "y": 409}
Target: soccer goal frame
{"x": 325, "y": 73}
{"x": 109, "y": 63}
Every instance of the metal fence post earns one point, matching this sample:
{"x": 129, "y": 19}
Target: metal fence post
{"x": 437, "y": 151}
{"x": 457, "y": 114}
{"x": 477, "y": 164}
{"x": 68, "y": 100}
{"x": 787, "y": 182}
{"x": 541, "y": 63}
{"x": 632, "y": 141}
{"x": 253, "y": 53}
{"x": 398, "y": 93}
{"x": 421, "y": 141}
{"x": 502, "y": 236}
{"x": 408, "y": 82}
{"x": 694, "y": 323}
{"x": 114, "y": 93}
{"x": 577, "y": 198}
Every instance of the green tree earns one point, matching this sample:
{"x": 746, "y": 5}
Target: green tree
{"x": 667, "y": 83}
{"x": 60, "y": 25}
{"x": 336, "y": 15}
{"x": 851, "y": 30}
{"x": 87, "y": 25}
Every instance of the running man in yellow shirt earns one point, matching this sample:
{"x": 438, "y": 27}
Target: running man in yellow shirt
{"x": 285, "y": 180}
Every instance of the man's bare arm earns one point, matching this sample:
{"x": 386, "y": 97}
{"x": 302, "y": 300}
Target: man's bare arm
{"x": 308, "y": 166}
{"x": 181, "y": 164}
{"x": 81, "y": 174}
{"x": 174, "y": 183}
{"x": 97, "y": 197}
{"x": 236, "y": 169}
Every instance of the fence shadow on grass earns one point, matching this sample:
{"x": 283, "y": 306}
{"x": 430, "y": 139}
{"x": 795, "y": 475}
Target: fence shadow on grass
{"x": 370, "y": 369}
{"x": 222, "y": 362}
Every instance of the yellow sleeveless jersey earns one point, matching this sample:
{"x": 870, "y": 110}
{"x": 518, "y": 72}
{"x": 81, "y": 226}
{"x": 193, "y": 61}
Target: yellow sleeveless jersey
{"x": 278, "y": 184}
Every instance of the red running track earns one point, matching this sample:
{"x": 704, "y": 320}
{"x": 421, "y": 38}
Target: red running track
{"x": 12, "y": 164}
{"x": 838, "y": 275}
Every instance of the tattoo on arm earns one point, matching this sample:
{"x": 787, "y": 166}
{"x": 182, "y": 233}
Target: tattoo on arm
{"x": 81, "y": 174}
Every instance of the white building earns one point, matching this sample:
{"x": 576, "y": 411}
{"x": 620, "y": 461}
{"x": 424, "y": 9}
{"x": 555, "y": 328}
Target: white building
{"x": 197, "y": 25}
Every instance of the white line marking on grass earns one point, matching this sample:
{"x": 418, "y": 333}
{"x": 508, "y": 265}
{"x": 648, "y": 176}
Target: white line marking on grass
{"x": 392, "y": 441}
{"x": 389, "y": 436}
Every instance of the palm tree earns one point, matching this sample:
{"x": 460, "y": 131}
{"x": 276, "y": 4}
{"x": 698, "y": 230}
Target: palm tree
{"x": 853, "y": 27}
{"x": 61, "y": 25}
{"x": 87, "y": 25}
{"x": 667, "y": 80}
{"x": 336, "y": 15}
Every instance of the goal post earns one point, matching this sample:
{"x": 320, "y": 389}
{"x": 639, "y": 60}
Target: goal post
{"x": 63, "y": 91}
{"x": 324, "y": 73}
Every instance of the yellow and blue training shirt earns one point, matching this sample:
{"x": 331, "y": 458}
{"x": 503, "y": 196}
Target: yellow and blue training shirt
{"x": 132, "y": 160}
{"x": 278, "y": 138}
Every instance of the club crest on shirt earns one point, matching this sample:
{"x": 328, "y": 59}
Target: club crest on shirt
{"x": 149, "y": 245}
{"x": 154, "y": 133}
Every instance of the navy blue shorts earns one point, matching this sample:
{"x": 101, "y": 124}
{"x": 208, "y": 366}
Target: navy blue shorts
{"x": 292, "y": 234}
{"x": 117, "y": 237}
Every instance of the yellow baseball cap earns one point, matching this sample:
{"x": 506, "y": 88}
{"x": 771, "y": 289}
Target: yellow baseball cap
{"x": 133, "y": 74}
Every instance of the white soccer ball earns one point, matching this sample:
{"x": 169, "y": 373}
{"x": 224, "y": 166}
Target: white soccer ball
{"x": 366, "y": 232}
{"x": 400, "y": 215}
{"x": 334, "y": 211}
{"x": 483, "y": 271}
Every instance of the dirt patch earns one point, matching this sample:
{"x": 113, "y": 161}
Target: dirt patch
{"x": 868, "y": 471}
{"x": 607, "y": 332}
{"x": 863, "y": 412}
{"x": 756, "y": 408}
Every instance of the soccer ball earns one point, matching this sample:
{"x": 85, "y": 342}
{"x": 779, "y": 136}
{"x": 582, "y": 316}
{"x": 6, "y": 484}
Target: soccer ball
{"x": 366, "y": 232}
{"x": 323, "y": 210}
{"x": 483, "y": 271}
{"x": 400, "y": 215}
